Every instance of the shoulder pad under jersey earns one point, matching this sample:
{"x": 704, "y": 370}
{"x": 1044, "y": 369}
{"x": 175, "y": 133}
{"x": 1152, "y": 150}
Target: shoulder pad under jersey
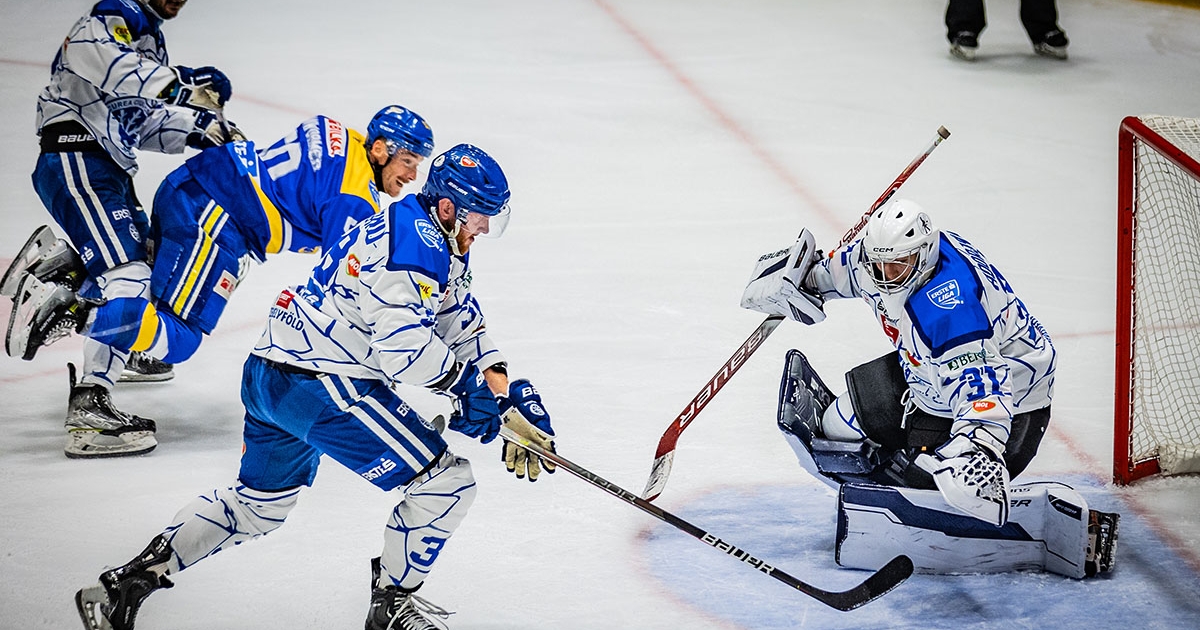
{"x": 416, "y": 244}
{"x": 947, "y": 311}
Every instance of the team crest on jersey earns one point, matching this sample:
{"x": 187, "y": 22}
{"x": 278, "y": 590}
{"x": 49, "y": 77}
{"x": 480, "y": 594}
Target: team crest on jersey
{"x": 353, "y": 266}
{"x": 945, "y": 295}
{"x": 129, "y": 112}
{"x": 431, "y": 236}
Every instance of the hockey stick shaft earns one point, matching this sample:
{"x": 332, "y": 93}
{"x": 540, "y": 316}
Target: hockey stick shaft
{"x": 664, "y": 455}
{"x": 848, "y": 237}
{"x": 878, "y": 584}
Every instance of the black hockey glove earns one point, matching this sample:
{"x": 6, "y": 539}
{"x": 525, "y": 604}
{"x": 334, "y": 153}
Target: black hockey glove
{"x": 199, "y": 88}
{"x": 523, "y": 413}
{"x": 478, "y": 412}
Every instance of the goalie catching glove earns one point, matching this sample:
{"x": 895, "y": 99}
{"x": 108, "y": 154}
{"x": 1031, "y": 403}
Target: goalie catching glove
{"x": 970, "y": 473}
{"x": 522, "y": 411}
{"x": 777, "y": 285}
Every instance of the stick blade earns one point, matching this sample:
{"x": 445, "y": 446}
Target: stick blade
{"x": 891, "y": 575}
{"x": 658, "y": 475}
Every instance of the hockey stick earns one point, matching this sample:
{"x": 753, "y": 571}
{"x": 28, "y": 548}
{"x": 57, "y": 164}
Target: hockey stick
{"x": 878, "y": 584}
{"x": 664, "y": 455}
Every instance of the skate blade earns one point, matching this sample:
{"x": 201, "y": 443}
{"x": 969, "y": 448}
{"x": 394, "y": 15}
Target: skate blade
{"x": 82, "y": 444}
{"x": 41, "y": 240}
{"x": 88, "y": 602}
{"x": 129, "y": 376}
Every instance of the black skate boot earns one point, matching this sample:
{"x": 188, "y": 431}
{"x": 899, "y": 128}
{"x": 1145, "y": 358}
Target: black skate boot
{"x": 114, "y": 602}
{"x": 143, "y": 368}
{"x": 97, "y": 429}
{"x": 394, "y": 609}
{"x": 42, "y": 313}
{"x": 1102, "y": 542}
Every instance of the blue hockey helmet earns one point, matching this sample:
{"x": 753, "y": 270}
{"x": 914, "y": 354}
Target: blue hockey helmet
{"x": 473, "y": 182}
{"x": 401, "y": 128}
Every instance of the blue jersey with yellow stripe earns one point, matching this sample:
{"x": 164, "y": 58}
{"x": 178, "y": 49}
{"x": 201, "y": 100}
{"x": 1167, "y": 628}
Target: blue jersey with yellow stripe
{"x": 300, "y": 194}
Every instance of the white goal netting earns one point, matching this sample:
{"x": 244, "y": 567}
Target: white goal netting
{"x": 1166, "y": 300}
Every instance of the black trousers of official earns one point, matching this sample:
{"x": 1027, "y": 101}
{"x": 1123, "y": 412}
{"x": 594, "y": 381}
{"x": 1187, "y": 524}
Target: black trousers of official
{"x": 1037, "y": 16}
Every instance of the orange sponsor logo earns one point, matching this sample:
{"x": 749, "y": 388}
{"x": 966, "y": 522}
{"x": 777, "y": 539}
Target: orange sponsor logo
{"x": 983, "y": 405}
{"x": 353, "y": 265}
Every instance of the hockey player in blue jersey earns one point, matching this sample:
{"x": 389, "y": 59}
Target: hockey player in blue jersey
{"x": 390, "y": 303}
{"x": 223, "y": 207}
{"x": 112, "y": 92}
{"x": 961, "y": 405}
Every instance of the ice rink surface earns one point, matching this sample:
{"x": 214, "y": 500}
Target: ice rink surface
{"x": 655, "y": 149}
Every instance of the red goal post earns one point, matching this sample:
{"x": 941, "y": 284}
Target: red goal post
{"x": 1157, "y": 393}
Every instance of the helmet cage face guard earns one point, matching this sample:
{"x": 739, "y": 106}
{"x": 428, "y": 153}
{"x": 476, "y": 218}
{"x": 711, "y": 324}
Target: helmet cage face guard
{"x": 900, "y": 247}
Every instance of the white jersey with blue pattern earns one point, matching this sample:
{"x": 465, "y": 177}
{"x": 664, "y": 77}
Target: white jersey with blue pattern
{"x": 389, "y": 302}
{"x": 108, "y": 75}
{"x": 970, "y": 349}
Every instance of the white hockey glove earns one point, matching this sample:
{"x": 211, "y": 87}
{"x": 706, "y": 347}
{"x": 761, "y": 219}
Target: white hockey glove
{"x": 212, "y": 130}
{"x": 199, "y": 88}
{"x": 777, "y": 285}
{"x": 970, "y": 473}
{"x": 522, "y": 411}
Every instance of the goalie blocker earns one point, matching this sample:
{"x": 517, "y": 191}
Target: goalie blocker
{"x": 887, "y": 506}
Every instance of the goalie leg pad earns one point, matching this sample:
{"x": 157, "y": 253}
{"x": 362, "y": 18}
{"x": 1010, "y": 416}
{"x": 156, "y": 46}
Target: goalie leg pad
{"x": 1047, "y": 530}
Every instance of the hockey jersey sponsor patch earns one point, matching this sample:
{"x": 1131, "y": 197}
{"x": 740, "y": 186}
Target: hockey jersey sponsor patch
{"x": 430, "y": 235}
{"x": 285, "y": 299}
{"x": 981, "y": 406}
{"x": 353, "y": 266}
{"x": 121, "y": 33}
{"x": 377, "y": 470}
{"x": 945, "y": 295}
{"x": 335, "y": 138}
{"x": 425, "y": 289}
{"x": 225, "y": 285}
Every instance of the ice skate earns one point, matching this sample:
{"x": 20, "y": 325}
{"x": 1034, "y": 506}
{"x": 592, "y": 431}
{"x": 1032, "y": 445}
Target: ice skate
{"x": 1102, "y": 542}
{"x": 1053, "y": 44}
{"x": 97, "y": 429}
{"x": 49, "y": 259}
{"x": 393, "y": 609}
{"x": 143, "y": 368}
{"x": 964, "y": 45}
{"x": 113, "y": 603}
{"x": 42, "y": 313}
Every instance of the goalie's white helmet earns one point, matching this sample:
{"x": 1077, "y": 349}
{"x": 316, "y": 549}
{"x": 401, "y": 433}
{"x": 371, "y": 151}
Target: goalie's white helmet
{"x": 900, "y": 249}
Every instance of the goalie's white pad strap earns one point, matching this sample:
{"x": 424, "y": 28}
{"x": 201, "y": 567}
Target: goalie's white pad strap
{"x": 776, "y": 286}
{"x": 1047, "y": 530}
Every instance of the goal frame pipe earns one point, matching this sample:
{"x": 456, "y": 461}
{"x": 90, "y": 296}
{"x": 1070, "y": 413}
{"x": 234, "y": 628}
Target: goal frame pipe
{"x": 1132, "y": 129}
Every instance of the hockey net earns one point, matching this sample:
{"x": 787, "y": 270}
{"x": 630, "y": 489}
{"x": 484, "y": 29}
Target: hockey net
{"x": 1157, "y": 410}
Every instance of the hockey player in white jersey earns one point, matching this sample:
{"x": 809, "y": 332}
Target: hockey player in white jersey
{"x": 112, "y": 92}
{"x": 221, "y": 209}
{"x": 390, "y": 303}
{"x": 960, "y": 406}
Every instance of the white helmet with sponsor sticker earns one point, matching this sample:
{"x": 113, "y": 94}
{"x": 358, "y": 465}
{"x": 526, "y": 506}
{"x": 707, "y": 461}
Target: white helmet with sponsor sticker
{"x": 900, "y": 249}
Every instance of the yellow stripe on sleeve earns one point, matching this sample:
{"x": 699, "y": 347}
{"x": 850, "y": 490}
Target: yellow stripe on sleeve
{"x": 274, "y": 219}
{"x": 193, "y": 273}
